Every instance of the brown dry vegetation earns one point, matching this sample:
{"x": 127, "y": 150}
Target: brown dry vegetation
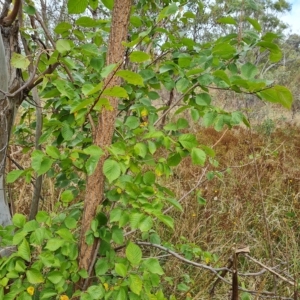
{"x": 234, "y": 212}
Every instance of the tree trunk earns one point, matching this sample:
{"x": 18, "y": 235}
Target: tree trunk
{"x": 5, "y": 217}
{"x": 10, "y": 80}
{"x": 104, "y": 131}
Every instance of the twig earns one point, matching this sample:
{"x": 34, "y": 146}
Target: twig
{"x": 90, "y": 270}
{"x": 270, "y": 270}
{"x": 175, "y": 103}
{"x": 26, "y": 84}
{"x": 264, "y": 294}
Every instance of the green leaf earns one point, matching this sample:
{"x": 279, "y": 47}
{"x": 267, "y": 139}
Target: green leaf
{"x": 93, "y": 150}
{"x": 203, "y": 99}
{"x": 222, "y": 75}
{"x": 24, "y": 250}
{"x": 54, "y": 244}
{"x": 87, "y": 88}
{"x": 153, "y": 266}
{"x": 166, "y": 220}
{"x": 65, "y": 234}
{"x": 140, "y": 149}
{"x": 132, "y": 122}
{"x": 249, "y": 70}
{"x": 149, "y": 178}
{"x": 47, "y": 293}
{"x": 91, "y": 164}
{"x": 182, "y": 85}
{"x": 136, "y": 21}
{"x": 209, "y": 118}
{"x": 227, "y": 20}
{"x": 223, "y": 50}
{"x": 53, "y": 152}
{"x": 19, "y": 61}
{"x": 29, "y": 9}
{"x": 237, "y": 117}
{"x": 121, "y": 269}
{"x": 139, "y": 56}
{"x": 152, "y": 147}
{"x": 182, "y": 287}
{"x": 55, "y": 277}
{"x": 67, "y": 196}
{"x": 67, "y": 131}
{"x": 63, "y": 46}
{"x": 184, "y": 61}
{"x": 19, "y": 220}
{"x": 107, "y": 70}
{"x": 108, "y": 4}
{"x": 115, "y": 215}
{"x": 86, "y": 22}
{"x": 101, "y": 266}
{"x": 175, "y": 203}
{"x": 96, "y": 291}
{"x": 82, "y": 104}
{"x": 188, "y": 141}
{"x": 195, "y": 114}
{"x": 275, "y": 52}
{"x": 36, "y": 159}
{"x": 14, "y": 175}
{"x": 278, "y": 94}
{"x": 117, "y": 235}
{"x": 201, "y": 200}
{"x": 198, "y": 156}
{"x": 205, "y": 79}
{"x": 62, "y": 27}
{"x": 174, "y": 160}
{"x": 115, "y": 91}
{"x": 145, "y": 224}
{"x": 254, "y": 23}
{"x": 111, "y": 170}
{"x": 77, "y": 6}
{"x": 135, "y": 283}
{"x": 133, "y": 253}
{"x": 167, "y": 11}
{"x": 31, "y": 226}
{"x": 131, "y": 77}
{"x": 45, "y": 166}
{"x": 135, "y": 219}
{"x": 42, "y": 217}
{"x": 90, "y": 49}
{"x": 34, "y": 276}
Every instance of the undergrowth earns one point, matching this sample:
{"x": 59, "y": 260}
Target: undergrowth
{"x": 223, "y": 212}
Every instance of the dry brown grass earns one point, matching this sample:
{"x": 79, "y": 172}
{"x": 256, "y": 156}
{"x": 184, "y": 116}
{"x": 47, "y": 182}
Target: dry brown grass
{"x": 234, "y": 211}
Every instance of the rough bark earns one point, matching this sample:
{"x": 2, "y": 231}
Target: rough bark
{"x": 104, "y": 130}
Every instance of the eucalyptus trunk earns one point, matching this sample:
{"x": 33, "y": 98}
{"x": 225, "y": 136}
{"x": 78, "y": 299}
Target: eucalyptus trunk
{"x": 10, "y": 80}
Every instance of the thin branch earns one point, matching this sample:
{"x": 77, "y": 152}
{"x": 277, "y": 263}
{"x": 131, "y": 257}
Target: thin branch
{"x": 190, "y": 262}
{"x": 31, "y": 79}
{"x": 216, "y": 270}
{"x": 175, "y": 103}
{"x": 270, "y": 270}
{"x": 39, "y": 19}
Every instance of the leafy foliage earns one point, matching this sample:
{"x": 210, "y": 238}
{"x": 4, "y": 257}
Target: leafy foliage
{"x": 135, "y": 196}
